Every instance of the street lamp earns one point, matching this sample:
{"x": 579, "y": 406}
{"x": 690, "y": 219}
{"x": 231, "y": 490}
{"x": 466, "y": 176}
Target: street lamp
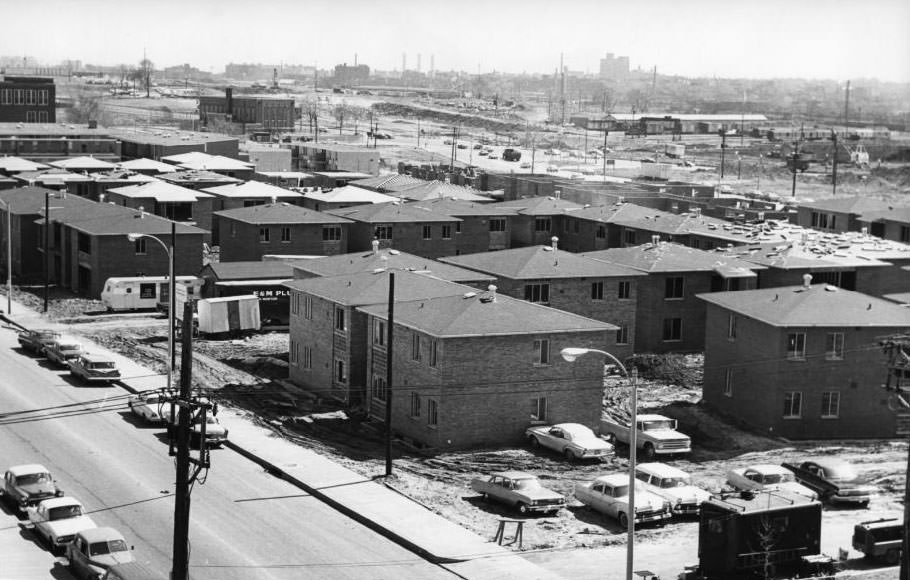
{"x": 171, "y": 291}
{"x": 570, "y": 354}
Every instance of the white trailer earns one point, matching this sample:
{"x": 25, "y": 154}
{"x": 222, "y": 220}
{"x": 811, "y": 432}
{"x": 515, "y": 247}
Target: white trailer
{"x": 227, "y": 314}
{"x": 139, "y": 292}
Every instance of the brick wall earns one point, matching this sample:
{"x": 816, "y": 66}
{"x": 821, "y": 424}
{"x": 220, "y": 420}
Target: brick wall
{"x": 654, "y": 308}
{"x": 406, "y": 237}
{"x": 475, "y": 235}
{"x": 240, "y": 241}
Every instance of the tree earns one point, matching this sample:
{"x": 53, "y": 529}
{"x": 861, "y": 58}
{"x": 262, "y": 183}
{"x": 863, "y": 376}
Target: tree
{"x": 87, "y": 106}
{"x": 309, "y": 106}
{"x": 340, "y": 112}
{"x": 146, "y": 68}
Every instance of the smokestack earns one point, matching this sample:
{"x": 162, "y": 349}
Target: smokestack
{"x": 375, "y": 244}
{"x": 404, "y": 62}
{"x": 807, "y": 280}
{"x": 229, "y": 101}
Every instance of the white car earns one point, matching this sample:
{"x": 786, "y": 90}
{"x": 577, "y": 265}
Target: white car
{"x": 609, "y": 495}
{"x": 153, "y": 407}
{"x": 674, "y": 485}
{"x": 573, "y": 440}
{"x": 767, "y": 477}
{"x": 57, "y": 520}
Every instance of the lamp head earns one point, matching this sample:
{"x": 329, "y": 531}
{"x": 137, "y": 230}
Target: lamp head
{"x": 570, "y": 354}
{"x": 133, "y": 236}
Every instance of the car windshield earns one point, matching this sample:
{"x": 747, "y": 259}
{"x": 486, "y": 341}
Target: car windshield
{"x": 107, "y": 547}
{"x": 841, "y": 473}
{"x": 102, "y": 365}
{"x": 770, "y": 478}
{"x": 65, "y": 511}
{"x": 656, "y": 425}
{"x": 620, "y": 490}
{"x": 674, "y": 482}
{"x": 33, "y": 478}
{"x": 526, "y": 483}
{"x": 69, "y": 346}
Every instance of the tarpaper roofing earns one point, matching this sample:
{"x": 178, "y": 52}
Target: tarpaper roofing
{"x": 541, "y": 206}
{"x": 392, "y": 183}
{"x": 387, "y": 259}
{"x": 18, "y": 164}
{"x": 280, "y": 213}
{"x": 160, "y": 191}
{"x": 816, "y": 305}
{"x": 364, "y": 288}
{"x": 107, "y": 219}
{"x": 392, "y": 212}
{"x": 251, "y": 270}
{"x": 441, "y": 189}
{"x": 184, "y": 176}
{"x": 537, "y": 262}
{"x": 29, "y": 200}
{"x": 350, "y": 194}
{"x": 459, "y": 208}
{"x": 147, "y": 165}
{"x": 670, "y": 257}
{"x": 854, "y": 205}
{"x": 77, "y": 163}
{"x": 251, "y": 189}
{"x": 485, "y": 314}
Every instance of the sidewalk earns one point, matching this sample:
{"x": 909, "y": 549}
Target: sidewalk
{"x": 371, "y": 503}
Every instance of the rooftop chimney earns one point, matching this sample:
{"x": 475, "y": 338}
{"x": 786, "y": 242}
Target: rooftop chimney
{"x": 375, "y": 244}
{"x": 100, "y": 198}
{"x": 655, "y": 239}
{"x": 557, "y": 193}
{"x": 864, "y": 230}
{"x": 807, "y": 280}
{"x": 554, "y": 241}
{"x": 492, "y": 289}
{"x": 274, "y": 199}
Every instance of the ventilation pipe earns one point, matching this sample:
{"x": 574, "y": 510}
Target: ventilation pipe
{"x": 807, "y": 280}
{"x": 557, "y": 193}
{"x": 655, "y": 239}
{"x": 375, "y": 244}
{"x": 492, "y": 289}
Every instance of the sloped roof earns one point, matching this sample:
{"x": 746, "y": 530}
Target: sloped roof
{"x": 185, "y": 176}
{"x": 53, "y": 174}
{"x": 120, "y": 175}
{"x": 541, "y": 206}
{"x": 109, "y": 219}
{"x": 441, "y": 189}
{"x": 280, "y": 213}
{"x": 392, "y": 212}
{"x": 350, "y": 194}
{"x": 892, "y": 214}
{"x": 459, "y": 207}
{"x": 364, "y": 288}
{"x": 218, "y": 163}
{"x": 251, "y": 270}
{"x": 17, "y": 164}
{"x": 855, "y": 204}
{"x": 385, "y": 183}
{"x": 83, "y": 163}
{"x": 640, "y": 217}
{"x": 189, "y": 157}
{"x": 251, "y": 189}
{"x": 536, "y": 262}
{"x": 817, "y": 305}
{"x": 476, "y": 314}
{"x": 147, "y": 165}
{"x": 160, "y": 191}
{"x": 29, "y": 200}
{"x": 670, "y": 257}
{"x": 386, "y": 259}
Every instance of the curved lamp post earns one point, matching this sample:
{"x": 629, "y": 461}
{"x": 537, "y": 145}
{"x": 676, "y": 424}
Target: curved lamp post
{"x": 570, "y": 354}
{"x": 170, "y": 310}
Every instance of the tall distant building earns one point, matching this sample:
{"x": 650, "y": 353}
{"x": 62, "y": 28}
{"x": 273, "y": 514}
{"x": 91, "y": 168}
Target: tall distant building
{"x": 27, "y": 100}
{"x": 349, "y": 75}
{"x": 614, "y": 67}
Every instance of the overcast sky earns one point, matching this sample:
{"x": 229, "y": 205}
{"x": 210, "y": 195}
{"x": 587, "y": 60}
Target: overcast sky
{"x": 835, "y": 39}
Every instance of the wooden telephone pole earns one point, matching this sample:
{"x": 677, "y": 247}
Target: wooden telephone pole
{"x": 898, "y": 382}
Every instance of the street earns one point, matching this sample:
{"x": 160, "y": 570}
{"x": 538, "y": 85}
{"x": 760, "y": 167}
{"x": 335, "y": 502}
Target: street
{"x": 245, "y": 523}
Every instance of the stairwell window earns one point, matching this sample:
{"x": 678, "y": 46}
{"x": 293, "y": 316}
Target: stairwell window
{"x": 434, "y": 352}
{"x": 539, "y": 409}
{"x": 340, "y": 319}
{"x": 379, "y": 334}
{"x": 834, "y": 346}
{"x": 307, "y": 362}
{"x": 728, "y": 383}
{"x": 796, "y": 346}
{"x": 539, "y": 293}
{"x": 341, "y": 372}
{"x": 415, "y": 405}
{"x": 731, "y": 327}
{"x": 415, "y": 347}
{"x": 308, "y": 307}
{"x": 793, "y": 405}
{"x": 380, "y": 388}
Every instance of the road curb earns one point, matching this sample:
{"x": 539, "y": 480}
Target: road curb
{"x": 371, "y": 524}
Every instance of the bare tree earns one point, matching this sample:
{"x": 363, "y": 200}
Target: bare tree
{"x": 146, "y": 67}
{"x": 340, "y": 112}
{"x": 309, "y": 106}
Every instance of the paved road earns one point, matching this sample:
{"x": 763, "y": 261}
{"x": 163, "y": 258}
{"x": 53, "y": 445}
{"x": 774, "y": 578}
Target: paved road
{"x": 245, "y": 523}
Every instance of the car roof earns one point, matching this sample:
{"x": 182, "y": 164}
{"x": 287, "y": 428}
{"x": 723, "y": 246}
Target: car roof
{"x": 651, "y": 417}
{"x": 514, "y": 474}
{"x": 56, "y": 502}
{"x": 613, "y": 479}
{"x": 827, "y": 462}
{"x": 101, "y": 535}
{"x": 767, "y": 468}
{"x": 662, "y": 470}
{"x": 28, "y": 468}
{"x": 94, "y": 357}
{"x": 573, "y": 427}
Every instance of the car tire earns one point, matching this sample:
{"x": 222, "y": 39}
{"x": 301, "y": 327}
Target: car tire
{"x": 522, "y": 508}
{"x": 535, "y": 443}
{"x": 570, "y": 455}
{"x": 648, "y": 451}
{"x": 893, "y": 557}
{"x": 623, "y": 520}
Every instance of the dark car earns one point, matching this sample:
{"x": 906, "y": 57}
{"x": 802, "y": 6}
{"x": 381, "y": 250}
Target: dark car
{"x": 835, "y": 480}
{"x": 36, "y": 340}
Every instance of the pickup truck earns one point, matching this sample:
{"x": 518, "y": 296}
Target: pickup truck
{"x": 880, "y": 539}
{"x": 834, "y": 480}
{"x": 657, "y": 435}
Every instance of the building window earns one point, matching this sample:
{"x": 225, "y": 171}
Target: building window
{"x": 731, "y": 327}
{"x": 341, "y": 372}
{"x": 542, "y": 352}
{"x": 293, "y": 353}
{"x": 331, "y": 233}
{"x": 379, "y": 334}
{"x": 285, "y": 234}
{"x": 796, "y": 346}
{"x": 539, "y": 409}
{"x": 905, "y": 234}
{"x": 673, "y": 288}
{"x": 539, "y": 293}
{"x": 380, "y": 388}
{"x": 31, "y": 116}
{"x": 542, "y": 224}
{"x": 624, "y": 290}
{"x": 415, "y": 405}
{"x": 339, "y": 319}
{"x": 622, "y": 334}
{"x": 264, "y": 235}
{"x": 597, "y": 290}
{"x": 42, "y": 97}
{"x": 672, "y": 329}
{"x": 497, "y": 224}
{"x": 140, "y": 246}
{"x": 728, "y": 383}
{"x": 447, "y": 232}
{"x": 415, "y": 346}
{"x": 601, "y": 232}
{"x": 432, "y": 413}
{"x": 383, "y": 232}
{"x": 308, "y": 307}
{"x": 17, "y": 96}
{"x": 85, "y": 243}
{"x": 434, "y": 352}
{"x": 307, "y": 358}
{"x": 629, "y": 237}
{"x": 457, "y": 227}
{"x": 793, "y": 405}
{"x": 427, "y": 232}
{"x": 830, "y": 404}
{"x": 834, "y": 346}
{"x": 295, "y": 303}
{"x": 29, "y": 97}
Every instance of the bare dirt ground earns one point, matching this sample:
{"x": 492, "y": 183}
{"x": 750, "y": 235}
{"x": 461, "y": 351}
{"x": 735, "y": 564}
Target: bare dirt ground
{"x": 244, "y": 373}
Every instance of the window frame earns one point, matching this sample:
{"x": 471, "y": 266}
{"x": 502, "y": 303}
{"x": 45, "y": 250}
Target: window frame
{"x": 541, "y": 289}
{"x": 543, "y": 224}
{"x": 597, "y": 290}
{"x": 427, "y": 232}
{"x": 830, "y": 401}
{"x": 539, "y": 408}
{"x": 285, "y": 234}
{"x": 497, "y": 222}
{"x": 542, "y": 352}
{"x": 793, "y": 405}
{"x": 265, "y": 235}
{"x": 432, "y": 413}
{"x": 622, "y": 334}
{"x": 798, "y": 353}
{"x": 624, "y": 290}
{"x": 415, "y": 347}
{"x": 674, "y": 287}
{"x": 728, "y": 383}
{"x": 673, "y": 323}
{"x": 834, "y": 347}
{"x": 340, "y": 322}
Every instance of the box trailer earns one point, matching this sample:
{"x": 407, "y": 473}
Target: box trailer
{"x": 228, "y": 315}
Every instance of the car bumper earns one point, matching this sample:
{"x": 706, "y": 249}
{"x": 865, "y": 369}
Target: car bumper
{"x": 686, "y": 509}
{"x": 98, "y": 378}
{"x": 850, "y": 499}
{"x": 652, "y": 516}
{"x": 546, "y": 507}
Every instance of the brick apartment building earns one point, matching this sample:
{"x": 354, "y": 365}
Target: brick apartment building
{"x": 138, "y": 143}
{"x": 841, "y": 214}
{"x": 403, "y": 227}
{"x": 484, "y": 227}
{"x": 891, "y": 224}
{"x": 342, "y": 197}
{"x": 245, "y": 194}
{"x": 51, "y": 141}
{"x": 267, "y": 111}
{"x": 169, "y": 201}
{"x": 801, "y": 362}
{"x": 249, "y": 233}
{"x": 537, "y": 219}
{"x": 572, "y": 283}
{"x": 669, "y": 316}
{"x": 476, "y": 370}
{"x": 27, "y": 100}
{"x": 317, "y": 157}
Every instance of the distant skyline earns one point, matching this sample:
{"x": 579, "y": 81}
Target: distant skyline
{"x": 816, "y": 39}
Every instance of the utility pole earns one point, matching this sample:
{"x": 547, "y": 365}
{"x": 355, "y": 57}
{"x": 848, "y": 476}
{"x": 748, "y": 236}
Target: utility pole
{"x": 794, "y": 157}
{"x": 846, "y": 108}
{"x": 834, "y": 163}
{"x": 47, "y": 247}
{"x": 388, "y": 376}
{"x": 182, "y": 427}
{"x": 723, "y": 149}
{"x": 897, "y": 348}
{"x": 605, "y": 153}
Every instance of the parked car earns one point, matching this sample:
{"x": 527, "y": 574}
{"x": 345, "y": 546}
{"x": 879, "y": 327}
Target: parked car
{"x": 525, "y": 165}
{"x": 609, "y": 495}
{"x": 510, "y": 154}
{"x": 63, "y": 349}
{"x": 483, "y": 153}
{"x": 94, "y": 368}
{"x": 834, "y": 480}
{"x": 573, "y": 440}
{"x": 657, "y": 435}
{"x": 552, "y": 169}
{"x": 95, "y": 550}
{"x": 215, "y": 433}
{"x": 447, "y": 142}
{"x": 36, "y": 340}
{"x": 478, "y": 146}
{"x": 674, "y": 485}
{"x": 56, "y": 521}
{"x": 133, "y": 571}
{"x": 153, "y": 407}
{"x": 767, "y": 477}
{"x": 522, "y": 491}
{"x": 461, "y": 146}
{"x": 880, "y": 539}
{"x": 27, "y": 485}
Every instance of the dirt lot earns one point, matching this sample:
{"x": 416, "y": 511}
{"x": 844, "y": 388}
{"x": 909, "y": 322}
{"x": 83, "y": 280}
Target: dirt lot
{"x": 244, "y": 372}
